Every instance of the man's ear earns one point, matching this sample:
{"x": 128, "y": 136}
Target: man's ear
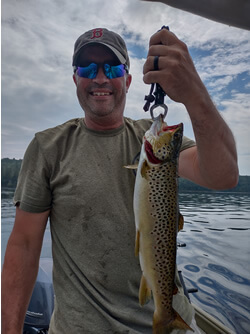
{"x": 128, "y": 81}
{"x": 75, "y": 79}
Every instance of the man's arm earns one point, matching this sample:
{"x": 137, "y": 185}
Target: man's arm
{"x": 20, "y": 268}
{"x": 213, "y": 162}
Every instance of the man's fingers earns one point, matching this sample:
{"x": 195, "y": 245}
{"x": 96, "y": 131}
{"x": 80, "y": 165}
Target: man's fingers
{"x": 149, "y": 64}
{"x": 165, "y": 70}
{"x": 167, "y": 56}
{"x": 151, "y": 77}
{"x": 158, "y": 50}
{"x": 164, "y": 37}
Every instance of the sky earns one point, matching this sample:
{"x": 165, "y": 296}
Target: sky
{"x": 37, "y": 45}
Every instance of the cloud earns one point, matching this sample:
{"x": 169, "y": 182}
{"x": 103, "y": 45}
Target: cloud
{"x": 238, "y": 105}
{"x": 37, "y": 45}
{"x": 236, "y": 114}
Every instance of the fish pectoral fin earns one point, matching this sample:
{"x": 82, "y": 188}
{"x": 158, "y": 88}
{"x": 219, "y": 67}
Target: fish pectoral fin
{"x": 175, "y": 290}
{"x": 144, "y": 292}
{"x": 137, "y": 243}
{"x": 163, "y": 326}
{"x": 131, "y": 166}
{"x": 144, "y": 168}
{"x": 181, "y": 222}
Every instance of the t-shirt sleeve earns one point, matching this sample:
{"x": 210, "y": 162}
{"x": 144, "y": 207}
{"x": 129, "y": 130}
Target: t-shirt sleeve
{"x": 187, "y": 143}
{"x": 33, "y": 192}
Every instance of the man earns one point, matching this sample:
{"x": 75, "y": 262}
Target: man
{"x": 74, "y": 174}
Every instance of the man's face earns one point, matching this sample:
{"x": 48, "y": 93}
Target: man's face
{"x": 100, "y": 96}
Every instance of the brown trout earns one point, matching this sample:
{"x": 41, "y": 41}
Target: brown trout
{"x": 157, "y": 218}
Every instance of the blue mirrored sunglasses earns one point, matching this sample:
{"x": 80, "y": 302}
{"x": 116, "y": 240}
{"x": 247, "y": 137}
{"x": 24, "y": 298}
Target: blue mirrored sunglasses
{"x": 111, "y": 72}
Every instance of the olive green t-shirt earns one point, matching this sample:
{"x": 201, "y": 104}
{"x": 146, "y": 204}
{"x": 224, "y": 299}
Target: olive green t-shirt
{"x": 78, "y": 174}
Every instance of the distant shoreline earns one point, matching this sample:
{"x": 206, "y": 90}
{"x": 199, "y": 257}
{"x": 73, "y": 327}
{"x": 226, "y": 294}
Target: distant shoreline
{"x": 11, "y": 167}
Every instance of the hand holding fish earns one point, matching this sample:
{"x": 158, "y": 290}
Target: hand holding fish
{"x": 177, "y": 74}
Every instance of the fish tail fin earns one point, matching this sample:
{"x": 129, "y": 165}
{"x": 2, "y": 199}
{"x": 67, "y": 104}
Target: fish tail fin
{"x": 162, "y": 325}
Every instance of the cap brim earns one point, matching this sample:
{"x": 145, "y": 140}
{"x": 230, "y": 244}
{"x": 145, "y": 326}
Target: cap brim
{"x": 116, "y": 52}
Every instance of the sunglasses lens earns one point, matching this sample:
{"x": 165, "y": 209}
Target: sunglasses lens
{"x": 113, "y": 72}
{"x": 88, "y": 71}
{"x": 110, "y": 71}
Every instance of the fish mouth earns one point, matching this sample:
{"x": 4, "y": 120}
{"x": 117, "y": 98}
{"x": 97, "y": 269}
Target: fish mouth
{"x": 159, "y": 127}
{"x": 150, "y": 154}
{"x": 171, "y": 128}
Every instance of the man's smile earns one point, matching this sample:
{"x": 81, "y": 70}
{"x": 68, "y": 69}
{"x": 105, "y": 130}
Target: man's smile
{"x": 101, "y": 93}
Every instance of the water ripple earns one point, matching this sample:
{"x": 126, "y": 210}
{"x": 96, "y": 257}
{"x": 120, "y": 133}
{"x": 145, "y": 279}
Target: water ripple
{"x": 192, "y": 268}
{"x": 232, "y": 309}
{"x": 216, "y": 261}
{"x": 238, "y": 228}
{"x": 228, "y": 274}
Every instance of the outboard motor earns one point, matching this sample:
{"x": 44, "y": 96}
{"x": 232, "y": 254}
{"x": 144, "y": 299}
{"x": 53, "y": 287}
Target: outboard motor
{"x": 42, "y": 301}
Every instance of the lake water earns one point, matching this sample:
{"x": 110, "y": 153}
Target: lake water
{"x": 216, "y": 259}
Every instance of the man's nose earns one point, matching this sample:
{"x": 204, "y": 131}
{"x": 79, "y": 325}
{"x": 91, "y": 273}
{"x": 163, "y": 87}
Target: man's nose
{"x": 100, "y": 76}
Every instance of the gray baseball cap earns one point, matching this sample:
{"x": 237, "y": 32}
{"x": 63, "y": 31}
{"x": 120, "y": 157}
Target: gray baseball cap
{"x": 105, "y": 37}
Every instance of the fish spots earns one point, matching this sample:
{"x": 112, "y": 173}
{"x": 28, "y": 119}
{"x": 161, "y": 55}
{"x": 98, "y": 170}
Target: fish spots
{"x": 164, "y": 211}
{"x": 163, "y": 152}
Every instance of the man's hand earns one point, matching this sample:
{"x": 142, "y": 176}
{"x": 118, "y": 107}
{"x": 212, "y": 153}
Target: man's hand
{"x": 177, "y": 74}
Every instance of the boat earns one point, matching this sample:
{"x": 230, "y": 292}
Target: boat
{"x": 42, "y": 304}
{"x": 208, "y": 324}
{"x": 230, "y": 12}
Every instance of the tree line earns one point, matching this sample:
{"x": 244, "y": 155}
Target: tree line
{"x": 11, "y": 167}
{"x": 9, "y": 172}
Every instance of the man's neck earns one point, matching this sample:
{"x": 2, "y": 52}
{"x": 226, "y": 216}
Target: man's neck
{"x": 103, "y": 124}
